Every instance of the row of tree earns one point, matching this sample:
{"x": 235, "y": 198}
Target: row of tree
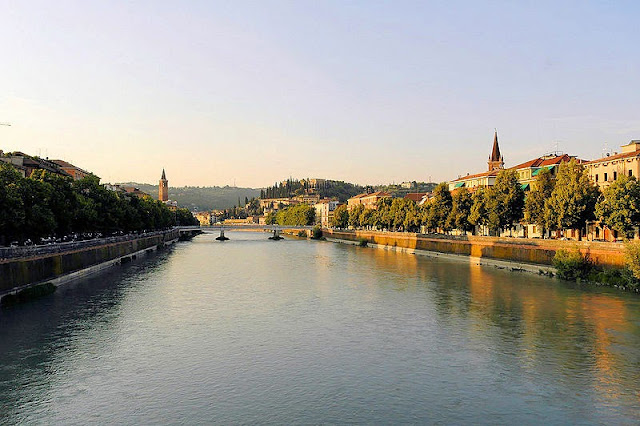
{"x": 301, "y": 214}
{"x": 46, "y": 205}
{"x": 566, "y": 202}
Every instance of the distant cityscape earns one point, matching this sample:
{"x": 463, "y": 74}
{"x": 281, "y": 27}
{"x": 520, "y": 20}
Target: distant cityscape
{"x": 325, "y": 196}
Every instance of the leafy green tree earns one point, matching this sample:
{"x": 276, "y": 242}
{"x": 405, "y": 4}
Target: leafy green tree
{"x": 478, "y": 215}
{"x": 460, "y": 210}
{"x": 39, "y": 220}
{"x": 11, "y": 204}
{"x": 384, "y": 215}
{"x": 368, "y": 218}
{"x": 354, "y": 215}
{"x": 572, "y": 202}
{"x": 505, "y": 201}
{"x": 441, "y": 205}
{"x": 301, "y": 214}
{"x": 270, "y": 218}
{"x": 62, "y": 201}
{"x": 536, "y": 200}
{"x": 619, "y": 206}
{"x": 340, "y": 217}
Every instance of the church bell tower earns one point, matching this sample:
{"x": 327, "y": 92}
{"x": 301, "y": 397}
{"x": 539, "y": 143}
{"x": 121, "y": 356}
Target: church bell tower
{"x": 163, "y": 188}
{"x": 496, "y": 161}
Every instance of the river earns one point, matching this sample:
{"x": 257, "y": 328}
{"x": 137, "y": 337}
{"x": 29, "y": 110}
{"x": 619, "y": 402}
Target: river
{"x": 295, "y": 331}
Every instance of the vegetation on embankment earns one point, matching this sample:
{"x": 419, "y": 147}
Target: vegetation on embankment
{"x": 572, "y": 265}
{"x": 48, "y": 205}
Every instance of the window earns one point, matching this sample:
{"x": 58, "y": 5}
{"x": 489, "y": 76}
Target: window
{"x": 605, "y": 177}
{"x": 615, "y": 175}
{"x": 630, "y": 173}
{"x": 596, "y": 177}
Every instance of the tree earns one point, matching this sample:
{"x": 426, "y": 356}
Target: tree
{"x": 11, "y": 204}
{"x": 460, "y": 210}
{"x": 340, "y": 217}
{"x": 354, "y": 215}
{"x": 301, "y": 214}
{"x": 384, "y": 216}
{"x": 572, "y": 202}
{"x": 270, "y": 218}
{"x": 440, "y": 207}
{"x": 619, "y": 206}
{"x": 39, "y": 220}
{"x": 62, "y": 201}
{"x": 535, "y": 202}
{"x": 478, "y": 213}
{"x": 505, "y": 201}
{"x": 367, "y": 217}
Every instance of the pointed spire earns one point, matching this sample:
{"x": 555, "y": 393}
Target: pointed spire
{"x": 164, "y": 177}
{"x": 495, "y": 153}
{"x": 495, "y": 160}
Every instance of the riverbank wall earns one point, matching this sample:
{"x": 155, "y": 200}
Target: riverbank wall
{"x": 516, "y": 250}
{"x": 18, "y": 274}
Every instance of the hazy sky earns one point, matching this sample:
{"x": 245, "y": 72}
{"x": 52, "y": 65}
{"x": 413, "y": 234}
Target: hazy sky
{"x": 368, "y": 92}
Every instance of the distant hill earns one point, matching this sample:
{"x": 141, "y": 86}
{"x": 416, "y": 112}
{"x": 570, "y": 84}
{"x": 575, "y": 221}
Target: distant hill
{"x": 202, "y": 198}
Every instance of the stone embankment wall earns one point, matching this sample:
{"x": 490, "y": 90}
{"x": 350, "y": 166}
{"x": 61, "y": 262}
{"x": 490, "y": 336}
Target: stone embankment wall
{"x": 19, "y": 273}
{"x": 520, "y": 250}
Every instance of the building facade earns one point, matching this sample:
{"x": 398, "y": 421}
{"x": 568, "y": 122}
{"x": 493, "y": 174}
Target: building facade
{"x": 369, "y": 201}
{"x": 75, "y": 172}
{"x": 605, "y": 170}
{"x": 324, "y": 211}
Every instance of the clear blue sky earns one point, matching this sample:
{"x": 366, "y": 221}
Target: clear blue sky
{"x": 369, "y": 92}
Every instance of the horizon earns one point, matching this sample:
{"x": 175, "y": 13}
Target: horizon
{"x": 240, "y": 93}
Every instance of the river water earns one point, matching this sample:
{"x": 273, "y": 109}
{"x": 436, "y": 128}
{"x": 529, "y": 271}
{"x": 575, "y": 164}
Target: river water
{"x": 295, "y": 331}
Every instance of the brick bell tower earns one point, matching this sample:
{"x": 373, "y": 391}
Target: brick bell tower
{"x": 163, "y": 188}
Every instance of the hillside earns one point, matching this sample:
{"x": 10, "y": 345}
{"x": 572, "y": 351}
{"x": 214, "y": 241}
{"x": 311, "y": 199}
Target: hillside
{"x": 202, "y": 198}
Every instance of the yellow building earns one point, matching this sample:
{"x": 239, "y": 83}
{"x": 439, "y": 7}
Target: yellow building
{"x": 605, "y": 170}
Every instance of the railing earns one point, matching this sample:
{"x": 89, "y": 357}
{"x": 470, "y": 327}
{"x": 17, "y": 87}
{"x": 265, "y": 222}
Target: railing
{"x": 32, "y": 251}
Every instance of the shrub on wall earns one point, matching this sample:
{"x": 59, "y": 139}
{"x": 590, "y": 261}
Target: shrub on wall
{"x": 571, "y": 265}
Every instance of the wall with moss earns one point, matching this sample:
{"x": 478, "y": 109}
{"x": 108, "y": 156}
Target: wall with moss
{"x": 22, "y": 272}
{"x": 510, "y": 249}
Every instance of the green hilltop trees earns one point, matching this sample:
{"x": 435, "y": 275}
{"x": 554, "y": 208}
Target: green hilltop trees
{"x": 46, "y": 204}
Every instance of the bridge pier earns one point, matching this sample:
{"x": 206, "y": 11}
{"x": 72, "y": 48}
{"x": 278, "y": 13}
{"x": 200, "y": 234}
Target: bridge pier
{"x": 276, "y": 235}
{"x": 222, "y": 237}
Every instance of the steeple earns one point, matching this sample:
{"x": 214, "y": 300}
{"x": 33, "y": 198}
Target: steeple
{"x": 163, "y": 188}
{"x": 496, "y": 161}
